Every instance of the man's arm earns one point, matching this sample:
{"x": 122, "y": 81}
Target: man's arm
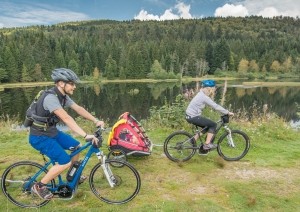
{"x": 70, "y": 122}
{"x": 85, "y": 114}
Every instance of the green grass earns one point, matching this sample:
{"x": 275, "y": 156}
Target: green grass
{"x": 267, "y": 179}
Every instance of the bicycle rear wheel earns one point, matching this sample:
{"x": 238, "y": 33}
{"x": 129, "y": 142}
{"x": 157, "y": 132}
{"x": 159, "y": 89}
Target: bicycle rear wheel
{"x": 180, "y": 146}
{"x": 233, "y": 149}
{"x": 16, "y": 183}
{"x": 126, "y": 179}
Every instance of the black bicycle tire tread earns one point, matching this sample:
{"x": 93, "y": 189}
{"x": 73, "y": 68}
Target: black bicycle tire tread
{"x": 246, "y": 150}
{"x": 11, "y": 199}
{"x": 181, "y": 132}
{"x": 132, "y": 168}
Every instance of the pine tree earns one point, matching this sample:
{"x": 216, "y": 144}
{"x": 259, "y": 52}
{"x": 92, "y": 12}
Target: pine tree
{"x": 25, "y": 75}
{"x": 111, "y": 68}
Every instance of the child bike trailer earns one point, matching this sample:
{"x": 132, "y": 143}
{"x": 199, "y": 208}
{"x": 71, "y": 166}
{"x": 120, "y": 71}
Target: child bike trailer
{"x": 128, "y": 137}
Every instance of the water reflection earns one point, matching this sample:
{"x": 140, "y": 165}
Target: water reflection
{"x": 108, "y": 101}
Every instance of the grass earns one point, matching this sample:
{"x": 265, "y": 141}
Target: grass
{"x": 267, "y": 179}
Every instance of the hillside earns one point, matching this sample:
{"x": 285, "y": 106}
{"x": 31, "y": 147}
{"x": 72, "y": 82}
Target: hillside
{"x": 129, "y": 49}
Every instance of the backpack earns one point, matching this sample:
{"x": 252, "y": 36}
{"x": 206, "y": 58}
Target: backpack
{"x": 32, "y": 110}
{"x": 32, "y": 118}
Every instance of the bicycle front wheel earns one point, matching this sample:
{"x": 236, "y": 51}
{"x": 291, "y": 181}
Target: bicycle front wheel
{"x": 234, "y": 147}
{"x": 16, "y": 183}
{"x": 124, "y": 177}
{"x": 180, "y": 146}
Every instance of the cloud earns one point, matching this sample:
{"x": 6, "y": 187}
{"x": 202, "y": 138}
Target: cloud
{"x": 182, "y": 11}
{"x": 269, "y": 12}
{"x": 13, "y": 15}
{"x": 231, "y": 10}
{"x": 265, "y": 8}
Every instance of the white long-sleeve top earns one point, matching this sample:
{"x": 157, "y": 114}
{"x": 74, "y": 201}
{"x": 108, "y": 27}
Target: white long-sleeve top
{"x": 199, "y": 102}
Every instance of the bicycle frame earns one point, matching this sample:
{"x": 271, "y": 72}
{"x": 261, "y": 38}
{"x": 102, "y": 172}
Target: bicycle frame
{"x": 74, "y": 182}
{"x": 198, "y": 132}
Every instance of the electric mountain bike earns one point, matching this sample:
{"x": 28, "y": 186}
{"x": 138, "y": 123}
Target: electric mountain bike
{"x": 112, "y": 181}
{"x": 233, "y": 145}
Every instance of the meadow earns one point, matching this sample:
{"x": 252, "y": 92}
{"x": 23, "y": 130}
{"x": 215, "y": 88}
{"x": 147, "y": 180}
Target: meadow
{"x": 266, "y": 179}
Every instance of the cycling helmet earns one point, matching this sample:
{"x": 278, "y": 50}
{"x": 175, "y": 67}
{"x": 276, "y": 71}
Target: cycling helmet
{"x": 208, "y": 83}
{"x": 63, "y": 74}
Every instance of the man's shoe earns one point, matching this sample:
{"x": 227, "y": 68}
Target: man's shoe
{"x": 42, "y": 191}
{"x": 209, "y": 146}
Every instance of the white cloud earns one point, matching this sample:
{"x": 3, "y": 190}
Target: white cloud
{"x": 231, "y": 10}
{"x": 13, "y": 15}
{"x": 144, "y": 15}
{"x": 265, "y": 8}
{"x": 183, "y": 11}
{"x": 269, "y": 12}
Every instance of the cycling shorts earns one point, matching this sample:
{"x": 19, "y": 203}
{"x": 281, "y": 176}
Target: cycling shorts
{"x": 202, "y": 122}
{"x": 54, "y": 147}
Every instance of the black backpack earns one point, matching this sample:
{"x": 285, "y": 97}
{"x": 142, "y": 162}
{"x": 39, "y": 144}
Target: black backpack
{"x": 32, "y": 110}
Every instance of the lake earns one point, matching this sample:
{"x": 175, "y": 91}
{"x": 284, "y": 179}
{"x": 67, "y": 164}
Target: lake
{"x": 110, "y": 100}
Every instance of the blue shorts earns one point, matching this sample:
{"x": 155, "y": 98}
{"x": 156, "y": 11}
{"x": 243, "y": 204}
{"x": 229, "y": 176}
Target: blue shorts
{"x": 54, "y": 147}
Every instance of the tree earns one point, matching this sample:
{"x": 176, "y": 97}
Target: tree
{"x": 253, "y": 66}
{"x": 25, "y": 75}
{"x": 275, "y": 66}
{"x": 74, "y": 66}
{"x": 37, "y": 72}
{"x": 243, "y": 66}
{"x": 287, "y": 65}
{"x": 96, "y": 73}
{"x": 3, "y": 75}
{"x": 221, "y": 55}
{"x": 209, "y": 57}
{"x": 111, "y": 68}
{"x": 10, "y": 65}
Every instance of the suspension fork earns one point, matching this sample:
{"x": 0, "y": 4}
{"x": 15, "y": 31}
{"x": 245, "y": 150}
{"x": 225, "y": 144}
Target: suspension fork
{"x": 229, "y": 137}
{"x": 106, "y": 169}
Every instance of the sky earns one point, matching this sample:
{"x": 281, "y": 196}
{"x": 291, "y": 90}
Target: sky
{"x": 20, "y": 13}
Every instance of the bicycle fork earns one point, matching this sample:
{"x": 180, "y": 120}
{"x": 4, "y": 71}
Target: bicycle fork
{"x": 229, "y": 137}
{"x": 106, "y": 169}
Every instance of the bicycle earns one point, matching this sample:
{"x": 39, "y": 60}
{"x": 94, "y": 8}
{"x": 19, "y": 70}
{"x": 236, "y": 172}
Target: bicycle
{"x": 233, "y": 145}
{"x": 112, "y": 181}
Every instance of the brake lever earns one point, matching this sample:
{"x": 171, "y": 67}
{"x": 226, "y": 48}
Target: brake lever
{"x": 98, "y": 135}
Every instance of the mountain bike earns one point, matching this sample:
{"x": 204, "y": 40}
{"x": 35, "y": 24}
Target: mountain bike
{"x": 112, "y": 181}
{"x": 233, "y": 145}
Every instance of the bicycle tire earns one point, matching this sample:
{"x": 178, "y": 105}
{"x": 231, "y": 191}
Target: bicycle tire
{"x": 16, "y": 187}
{"x": 176, "y": 150}
{"x": 241, "y": 146}
{"x": 126, "y": 178}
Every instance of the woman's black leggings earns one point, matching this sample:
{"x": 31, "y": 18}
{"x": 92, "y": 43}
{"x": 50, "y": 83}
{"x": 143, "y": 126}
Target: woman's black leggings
{"x": 203, "y": 122}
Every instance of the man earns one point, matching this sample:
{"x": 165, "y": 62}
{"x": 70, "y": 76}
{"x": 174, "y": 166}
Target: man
{"x": 196, "y": 106}
{"x": 46, "y": 138}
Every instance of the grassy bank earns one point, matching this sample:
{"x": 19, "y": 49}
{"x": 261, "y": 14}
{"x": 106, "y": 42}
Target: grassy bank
{"x": 267, "y": 179}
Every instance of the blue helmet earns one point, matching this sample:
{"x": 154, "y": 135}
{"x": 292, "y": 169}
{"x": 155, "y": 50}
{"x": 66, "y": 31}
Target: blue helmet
{"x": 208, "y": 83}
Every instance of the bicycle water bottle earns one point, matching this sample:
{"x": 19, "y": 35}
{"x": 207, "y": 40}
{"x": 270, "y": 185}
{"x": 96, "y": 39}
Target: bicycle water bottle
{"x": 73, "y": 170}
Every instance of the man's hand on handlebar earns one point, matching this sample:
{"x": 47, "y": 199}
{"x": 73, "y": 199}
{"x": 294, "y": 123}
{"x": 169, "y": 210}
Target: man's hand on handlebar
{"x": 92, "y": 138}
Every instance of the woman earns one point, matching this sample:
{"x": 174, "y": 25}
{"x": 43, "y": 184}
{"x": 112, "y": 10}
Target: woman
{"x": 196, "y": 106}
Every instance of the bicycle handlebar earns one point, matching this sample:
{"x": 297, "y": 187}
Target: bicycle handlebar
{"x": 225, "y": 118}
{"x": 98, "y": 135}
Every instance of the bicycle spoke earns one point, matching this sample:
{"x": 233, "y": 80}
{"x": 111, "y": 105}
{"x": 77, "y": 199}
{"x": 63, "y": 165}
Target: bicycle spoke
{"x": 179, "y": 146}
{"x": 125, "y": 182}
{"x": 234, "y": 146}
{"x": 17, "y": 182}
